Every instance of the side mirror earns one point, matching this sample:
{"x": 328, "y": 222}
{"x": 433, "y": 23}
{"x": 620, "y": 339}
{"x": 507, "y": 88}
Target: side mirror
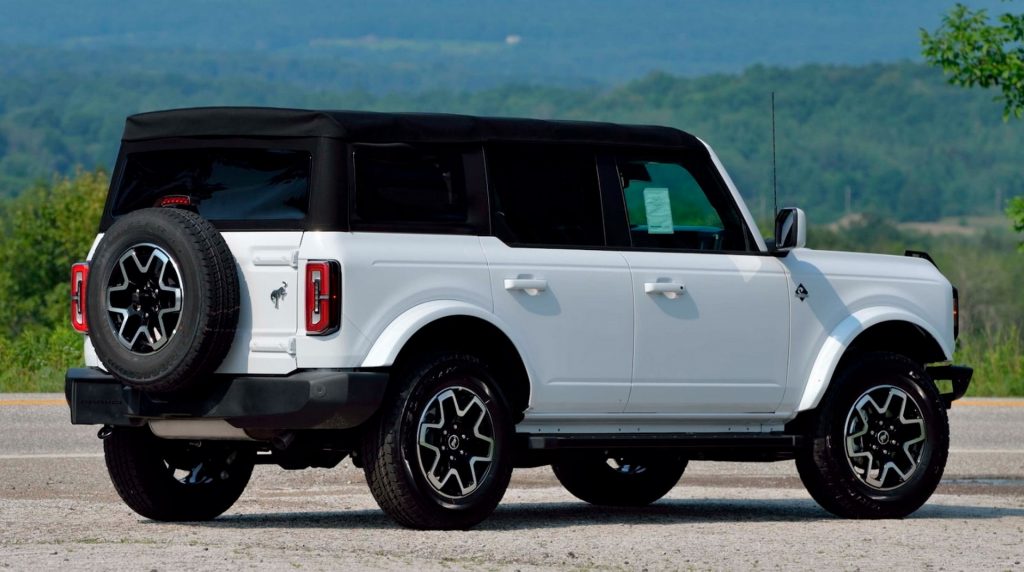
{"x": 790, "y": 229}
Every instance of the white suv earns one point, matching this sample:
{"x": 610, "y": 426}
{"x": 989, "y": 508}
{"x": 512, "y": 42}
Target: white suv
{"x": 444, "y": 298}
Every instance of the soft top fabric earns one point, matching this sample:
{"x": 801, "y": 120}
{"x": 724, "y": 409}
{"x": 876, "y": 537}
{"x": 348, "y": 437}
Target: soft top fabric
{"x": 377, "y": 127}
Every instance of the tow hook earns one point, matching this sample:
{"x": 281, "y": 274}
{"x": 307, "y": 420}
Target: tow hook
{"x": 105, "y": 431}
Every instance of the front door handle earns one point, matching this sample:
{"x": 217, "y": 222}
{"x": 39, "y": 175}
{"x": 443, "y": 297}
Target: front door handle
{"x": 670, "y": 290}
{"x": 532, "y": 286}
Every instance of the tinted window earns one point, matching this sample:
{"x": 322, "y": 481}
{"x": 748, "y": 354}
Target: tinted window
{"x": 229, "y": 184}
{"x": 405, "y": 184}
{"x": 545, "y": 195}
{"x": 670, "y": 207}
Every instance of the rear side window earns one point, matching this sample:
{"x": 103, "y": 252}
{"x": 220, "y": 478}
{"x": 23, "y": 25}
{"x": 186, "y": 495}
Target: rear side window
{"x": 228, "y": 183}
{"x": 403, "y": 184}
{"x": 545, "y": 195}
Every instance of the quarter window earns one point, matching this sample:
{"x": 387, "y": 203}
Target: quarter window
{"x": 545, "y": 195}
{"x": 406, "y": 184}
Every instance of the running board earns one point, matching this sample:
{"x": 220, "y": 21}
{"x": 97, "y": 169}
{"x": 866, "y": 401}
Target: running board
{"x": 694, "y": 441}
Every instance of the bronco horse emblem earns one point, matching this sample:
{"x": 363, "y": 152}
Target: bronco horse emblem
{"x": 277, "y": 295}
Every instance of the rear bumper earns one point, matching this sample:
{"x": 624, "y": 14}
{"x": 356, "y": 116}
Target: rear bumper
{"x": 959, "y": 375}
{"x": 321, "y": 399}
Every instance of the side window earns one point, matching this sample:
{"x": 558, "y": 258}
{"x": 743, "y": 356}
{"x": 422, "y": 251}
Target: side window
{"x": 545, "y": 195}
{"x": 670, "y": 206}
{"x": 411, "y": 185}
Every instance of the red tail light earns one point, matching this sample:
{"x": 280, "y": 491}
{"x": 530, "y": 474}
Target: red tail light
{"x": 323, "y": 297}
{"x": 79, "y": 285}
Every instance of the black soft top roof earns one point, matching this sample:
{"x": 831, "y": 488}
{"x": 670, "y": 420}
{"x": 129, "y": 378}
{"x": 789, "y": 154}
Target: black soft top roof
{"x": 368, "y": 126}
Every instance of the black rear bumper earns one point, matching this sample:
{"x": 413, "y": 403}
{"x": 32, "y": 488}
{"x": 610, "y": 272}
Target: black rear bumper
{"x": 321, "y": 399}
{"x": 959, "y": 375}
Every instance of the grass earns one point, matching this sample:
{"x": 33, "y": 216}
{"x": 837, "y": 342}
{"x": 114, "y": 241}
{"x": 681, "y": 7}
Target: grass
{"x": 998, "y": 361}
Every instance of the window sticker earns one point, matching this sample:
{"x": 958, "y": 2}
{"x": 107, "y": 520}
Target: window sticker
{"x": 659, "y": 211}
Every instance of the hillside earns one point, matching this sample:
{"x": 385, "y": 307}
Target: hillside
{"x": 893, "y": 139}
{"x": 478, "y": 43}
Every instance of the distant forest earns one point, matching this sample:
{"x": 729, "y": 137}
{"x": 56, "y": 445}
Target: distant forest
{"x": 891, "y": 139}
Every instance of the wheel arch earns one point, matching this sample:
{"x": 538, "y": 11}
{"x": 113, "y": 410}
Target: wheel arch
{"x": 873, "y": 329}
{"x": 452, "y": 325}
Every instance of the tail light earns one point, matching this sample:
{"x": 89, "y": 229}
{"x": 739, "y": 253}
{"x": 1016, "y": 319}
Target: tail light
{"x": 323, "y": 297}
{"x": 956, "y": 313}
{"x": 79, "y": 285}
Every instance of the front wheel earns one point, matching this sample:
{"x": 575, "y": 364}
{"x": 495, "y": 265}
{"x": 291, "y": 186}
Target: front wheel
{"x": 879, "y": 441}
{"x": 440, "y": 454}
{"x": 619, "y": 479}
{"x": 172, "y": 480}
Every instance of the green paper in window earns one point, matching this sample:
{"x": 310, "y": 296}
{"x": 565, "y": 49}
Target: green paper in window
{"x": 659, "y": 211}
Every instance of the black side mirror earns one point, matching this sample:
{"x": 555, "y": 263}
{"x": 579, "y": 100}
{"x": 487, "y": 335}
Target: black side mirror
{"x": 790, "y": 229}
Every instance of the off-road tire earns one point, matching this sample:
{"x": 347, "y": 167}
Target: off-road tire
{"x": 138, "y": 466}
{"x": 640, "y": 479}
{"x": 209, "y": 313}
{"x": 823, "y": 464}
{"x": 390, "y": 461}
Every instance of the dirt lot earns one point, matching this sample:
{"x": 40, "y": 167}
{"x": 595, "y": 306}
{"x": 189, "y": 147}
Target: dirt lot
{"x": 58, "y": 510}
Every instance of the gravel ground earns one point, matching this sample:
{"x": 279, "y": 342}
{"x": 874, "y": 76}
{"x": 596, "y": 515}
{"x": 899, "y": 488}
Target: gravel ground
{"x": 58, "y": 510}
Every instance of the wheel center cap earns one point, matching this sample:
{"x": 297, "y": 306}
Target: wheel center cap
{"x": 453, "y": 442}
{"x": 883, "y": 437}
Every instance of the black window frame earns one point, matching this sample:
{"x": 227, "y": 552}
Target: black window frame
{"x": 322, "y": 203}
{"x": 716, "y": 190}
{"x": 577, "y": 148}
{"x": 477, "y": 199}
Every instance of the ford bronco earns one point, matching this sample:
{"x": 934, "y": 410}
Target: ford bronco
{"x": 444, "y": 298}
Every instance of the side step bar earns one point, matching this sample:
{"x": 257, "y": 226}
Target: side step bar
{"x": 708, "y": 446}
{"x": 665, "y": 440}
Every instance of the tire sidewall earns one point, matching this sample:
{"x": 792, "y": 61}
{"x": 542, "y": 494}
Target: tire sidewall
{"x": 474, "y": 376}
{"x": 142, "y": 227}
{"x": 860, "y": 378}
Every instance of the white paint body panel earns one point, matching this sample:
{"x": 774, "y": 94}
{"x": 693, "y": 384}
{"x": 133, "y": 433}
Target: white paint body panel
{"x": 848, "y": 293}
{"x": 577, "y": 334}
{"x": 721, "y": 346}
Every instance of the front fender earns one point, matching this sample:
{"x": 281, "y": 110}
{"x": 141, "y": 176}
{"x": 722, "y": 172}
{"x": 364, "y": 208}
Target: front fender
{"x": 394, "y": 337}
{"x": 843, "y": 335}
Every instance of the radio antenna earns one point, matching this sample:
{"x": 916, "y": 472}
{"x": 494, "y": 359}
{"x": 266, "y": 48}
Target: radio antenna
{"x": 775, "y": 182}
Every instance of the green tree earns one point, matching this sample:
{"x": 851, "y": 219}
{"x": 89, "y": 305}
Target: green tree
{"x": 43, "y": 231}
{"x": 978, "y": 51}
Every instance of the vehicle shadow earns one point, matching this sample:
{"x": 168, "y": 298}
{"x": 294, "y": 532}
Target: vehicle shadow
{"x": 519, "y": 516}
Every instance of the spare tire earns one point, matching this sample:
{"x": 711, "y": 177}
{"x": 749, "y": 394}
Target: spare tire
{"x": 162, "y": 299}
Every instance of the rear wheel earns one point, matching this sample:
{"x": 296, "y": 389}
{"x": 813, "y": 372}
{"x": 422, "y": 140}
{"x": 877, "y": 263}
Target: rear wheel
{"x": 879, "y": 442}
{"x": 174, "y": 480}
{"x": 439, "y": 456}
{"x": 629, "y": 478}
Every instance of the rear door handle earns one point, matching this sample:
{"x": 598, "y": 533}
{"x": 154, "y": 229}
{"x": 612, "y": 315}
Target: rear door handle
{"x": 670, "y": 290}
{"x": 532, "y": 286}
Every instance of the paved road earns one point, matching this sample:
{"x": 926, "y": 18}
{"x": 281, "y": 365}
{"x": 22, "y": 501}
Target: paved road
{"x": 58, "y": 510}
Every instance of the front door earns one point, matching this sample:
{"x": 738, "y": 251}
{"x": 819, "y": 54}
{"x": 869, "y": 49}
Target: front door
{"x": 712, "y": 314}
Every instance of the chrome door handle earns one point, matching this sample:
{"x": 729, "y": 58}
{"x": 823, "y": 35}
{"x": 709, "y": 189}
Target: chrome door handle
{"x": 670, "y": 290}
{"x": 532, "y": 286}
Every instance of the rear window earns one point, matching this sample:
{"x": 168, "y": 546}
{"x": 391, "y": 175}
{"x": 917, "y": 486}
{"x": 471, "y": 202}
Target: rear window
{"x": 228, "y": 183}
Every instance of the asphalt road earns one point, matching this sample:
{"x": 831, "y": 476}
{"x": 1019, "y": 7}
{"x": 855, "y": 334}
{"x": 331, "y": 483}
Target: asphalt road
{"x": 58, "y": 510}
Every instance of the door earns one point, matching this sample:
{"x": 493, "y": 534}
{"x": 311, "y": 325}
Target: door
{"x": 712, "y": 313}
{"x": 565, "y": 298}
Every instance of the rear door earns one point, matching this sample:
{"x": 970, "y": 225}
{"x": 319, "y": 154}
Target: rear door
{"x": 567, "y": 300}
